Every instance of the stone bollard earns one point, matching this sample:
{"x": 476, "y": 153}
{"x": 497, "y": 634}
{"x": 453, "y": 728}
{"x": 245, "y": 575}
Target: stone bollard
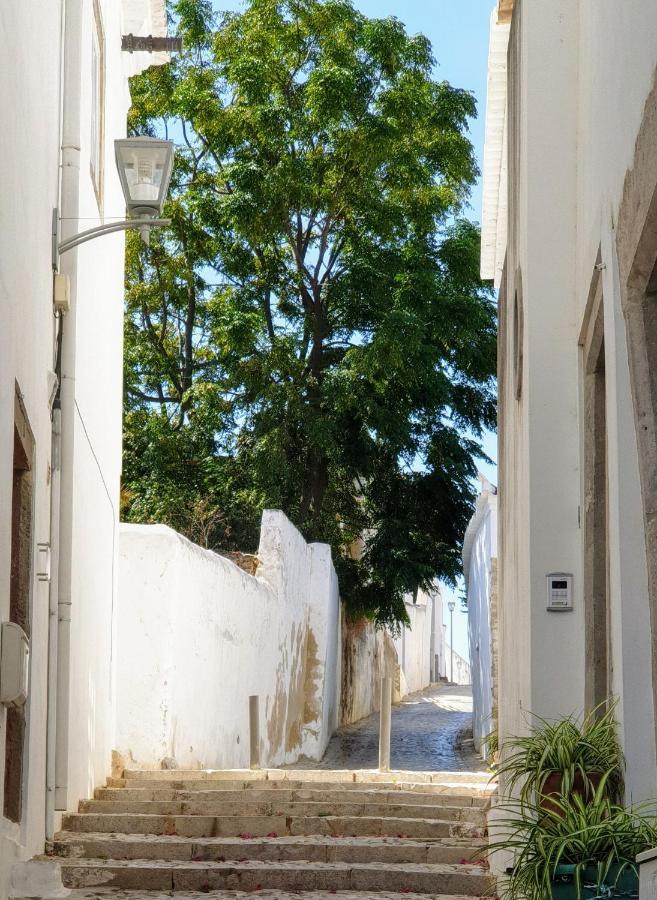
{"x": 384, "y": 726}
{"x": 254, "y": 731}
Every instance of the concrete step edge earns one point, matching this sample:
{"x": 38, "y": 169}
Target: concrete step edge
{"x": 298, "y": 795}
{"x": 123, "y": 894}
{"x": 285, "y": 865}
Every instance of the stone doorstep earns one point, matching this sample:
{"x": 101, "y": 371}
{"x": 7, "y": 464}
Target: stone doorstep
{"x": 116, "y": 894}
{"x": 278, "y": 807}
{"x": 355, "y": 794}
{"x": 252, "y": 874}
{"x": 260, "y": 826}
{"x": 310, "y": 848}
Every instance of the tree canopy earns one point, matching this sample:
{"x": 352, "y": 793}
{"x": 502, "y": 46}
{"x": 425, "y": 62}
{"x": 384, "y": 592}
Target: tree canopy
{"x": 311, "y": 333}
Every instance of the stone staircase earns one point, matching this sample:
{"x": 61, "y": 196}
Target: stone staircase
{"x": 279, "y": 833}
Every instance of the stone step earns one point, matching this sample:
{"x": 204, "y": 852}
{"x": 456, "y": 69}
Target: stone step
{"x": 260, "y": 826}
{"x": 356, "y": 794}
{"x": 279, "y": 807}
{"x": 311, "y": 848}
{"x": 472, "y": 780}
{"x": 253, "y": 875}
{"x": 117, "y": 894}
{"x": 480, "y": 793}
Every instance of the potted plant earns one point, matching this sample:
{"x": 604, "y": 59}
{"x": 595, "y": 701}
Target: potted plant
{"x": 565, "y": 757}
{"x": 491, "y": 748}
{"x": 575, "y": 849}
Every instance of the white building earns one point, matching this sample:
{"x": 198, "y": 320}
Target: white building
{"x": 63, "y": 100}
{"x": 480, "y": 570}
{"x": 570, "y": 238}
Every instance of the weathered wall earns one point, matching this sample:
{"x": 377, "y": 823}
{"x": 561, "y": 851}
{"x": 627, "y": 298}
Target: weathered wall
{"x": 191, "y": 625}
{"x": 368, "y": 654}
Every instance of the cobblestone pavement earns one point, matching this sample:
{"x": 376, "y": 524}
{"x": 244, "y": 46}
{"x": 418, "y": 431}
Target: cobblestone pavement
{"x": 431, "y": 731}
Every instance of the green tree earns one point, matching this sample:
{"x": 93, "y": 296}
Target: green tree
{"x": 311, "y": 333}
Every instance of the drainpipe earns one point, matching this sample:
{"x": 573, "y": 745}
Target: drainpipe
{"x": 63, "y": 529}
{"x": 55, "y": 494}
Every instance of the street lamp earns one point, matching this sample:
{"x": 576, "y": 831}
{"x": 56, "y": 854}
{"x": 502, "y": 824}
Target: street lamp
{"x": 451, "y": 606}
{"x": 144, "y": 165}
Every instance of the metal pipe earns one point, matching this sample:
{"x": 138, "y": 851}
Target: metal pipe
{"x": 69, "y": 206}
{"x": 55, "y": 463}
{"x": 384, "y": 725}
{"x": 254, "y": 731}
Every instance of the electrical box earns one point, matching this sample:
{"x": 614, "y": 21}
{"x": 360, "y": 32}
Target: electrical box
{"x": 62, "y": 293}
{"x": 43, "y": 562}
{"x": 559, "y": 592}
{"x": 14, "y": 664}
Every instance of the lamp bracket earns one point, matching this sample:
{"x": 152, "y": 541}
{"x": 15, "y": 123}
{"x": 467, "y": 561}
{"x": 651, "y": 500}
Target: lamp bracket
{"x": 59, "y": 247}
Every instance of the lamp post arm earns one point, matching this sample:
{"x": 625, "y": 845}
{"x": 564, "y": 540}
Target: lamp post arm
{"x": 100, "y": 230}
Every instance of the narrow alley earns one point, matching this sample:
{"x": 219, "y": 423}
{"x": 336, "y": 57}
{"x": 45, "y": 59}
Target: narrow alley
{"x": 431, "y": 730}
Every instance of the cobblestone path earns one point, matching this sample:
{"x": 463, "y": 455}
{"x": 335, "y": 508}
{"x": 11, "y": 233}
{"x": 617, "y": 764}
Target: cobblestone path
{"x": 431, "y": 731}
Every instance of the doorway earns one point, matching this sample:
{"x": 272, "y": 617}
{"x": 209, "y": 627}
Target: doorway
{"x": 20, "y": 589}
{"x": 596, "y": 515}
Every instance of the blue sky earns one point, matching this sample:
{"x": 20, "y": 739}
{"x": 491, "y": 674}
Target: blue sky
{"x": 458, "y": 30}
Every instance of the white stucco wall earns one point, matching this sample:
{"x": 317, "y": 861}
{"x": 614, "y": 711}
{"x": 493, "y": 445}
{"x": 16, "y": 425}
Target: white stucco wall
{"x": 413, "y": 645}
{"x": 28, "y": 150}
{"x": 479, "y": 558}
{"x": 573, "y": 120}
{"x": 192, "y": 625}
{"x": 462, "y": 673}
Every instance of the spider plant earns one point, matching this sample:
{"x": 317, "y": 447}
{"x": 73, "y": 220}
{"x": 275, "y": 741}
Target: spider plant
{"x": 594, "y": 843}
{"x": 579, "y": 752}
{"x": 492, "y": 743}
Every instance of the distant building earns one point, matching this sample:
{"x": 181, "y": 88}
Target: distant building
{"x": 480, "y": 570}
{"x": 421, "y": 645}
{"x": 569, "y": 236}
{"x": 64, "y": 99}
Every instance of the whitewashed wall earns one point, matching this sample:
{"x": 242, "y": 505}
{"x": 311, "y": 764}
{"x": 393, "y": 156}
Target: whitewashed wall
{"x": 479, "y": 559}
{"x": 462, "y": 672}
{"x": 413, "y": 645}
{"x": 196, "y": 636}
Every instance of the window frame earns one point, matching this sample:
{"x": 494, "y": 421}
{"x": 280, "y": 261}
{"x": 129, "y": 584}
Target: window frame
{"x": 97, "y": 106}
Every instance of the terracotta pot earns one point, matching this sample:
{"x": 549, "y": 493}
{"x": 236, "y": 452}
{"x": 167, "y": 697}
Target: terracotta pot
{"x": 552, "y": 788}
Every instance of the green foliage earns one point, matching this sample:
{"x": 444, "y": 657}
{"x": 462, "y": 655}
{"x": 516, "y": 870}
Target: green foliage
{"x": 311, "y": 333}
{"x": 595, "y": 840}
{"x": 492, "y": 743}
{"x": 575, "y": 750}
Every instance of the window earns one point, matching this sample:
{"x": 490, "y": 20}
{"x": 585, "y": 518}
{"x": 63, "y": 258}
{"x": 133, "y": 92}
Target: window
{"x": 97, "y": 137}
{"x": 518, "y": 336}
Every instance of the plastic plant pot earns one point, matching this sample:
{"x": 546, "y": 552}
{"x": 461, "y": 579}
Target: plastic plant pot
{"x": 623, "y": 887}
